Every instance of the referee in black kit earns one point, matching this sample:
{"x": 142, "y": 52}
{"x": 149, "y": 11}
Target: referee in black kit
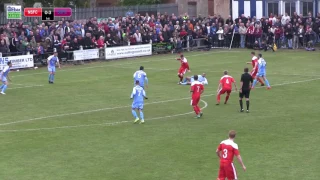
{"x": 245, "y": 86}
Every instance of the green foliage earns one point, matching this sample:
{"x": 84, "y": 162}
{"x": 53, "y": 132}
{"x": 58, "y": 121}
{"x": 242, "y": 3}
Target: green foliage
{"x": 139, "y": 2}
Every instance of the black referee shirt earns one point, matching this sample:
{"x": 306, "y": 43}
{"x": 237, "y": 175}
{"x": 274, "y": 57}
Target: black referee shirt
{"x": 246, "y": 79}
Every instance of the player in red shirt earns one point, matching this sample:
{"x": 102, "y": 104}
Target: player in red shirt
{"x": 254, "y": 71}
{"x": 197, "y": 89}
{"x": 184, "y": 67}
{"x": 225, "y": 86}
{"x": 226, "y": 150}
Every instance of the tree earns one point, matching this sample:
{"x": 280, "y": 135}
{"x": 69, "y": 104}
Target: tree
{"x": 139, "y": 2}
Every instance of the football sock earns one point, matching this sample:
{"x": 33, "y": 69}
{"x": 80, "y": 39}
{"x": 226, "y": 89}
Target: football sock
{"x": 218, "y": 98}
{"x": 50, "y": 77}
{"x": 4, "y": 88}
{"x": 248, "y": 103}
{"x": 134, "y": 113}
{"x": 259, "y": 79}
{"x": 181, "y": 78}
{"x": 185, "y": 80}
{"x": 267, "y": 82}
{"x": 254, "y": 83}
{"x": 184, "y": 83}
{"x": 141, "y": 115}
{"x": 199, "y": 110}
{"x": 195, "y": 110}
{"x": 241, "y": 104}
{"x": 227, "y": 98}
{"x": 1, "y": 86}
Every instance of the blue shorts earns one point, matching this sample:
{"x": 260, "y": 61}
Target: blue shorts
{"x": 4, "y": 79}
{"x": 51, "y": 69}
{"x": 137, "y": 105}
{"x": 261, "y": 74}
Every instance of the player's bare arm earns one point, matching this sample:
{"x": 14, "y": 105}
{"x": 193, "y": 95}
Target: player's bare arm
{"x": 241, "y": 84}
{"x": 241, "y": 162}
{"x": 219, "y": 87}
{"x": 218, "y": 153}
{"x": 235, "y": 86}
{"x": 58, "y": 64}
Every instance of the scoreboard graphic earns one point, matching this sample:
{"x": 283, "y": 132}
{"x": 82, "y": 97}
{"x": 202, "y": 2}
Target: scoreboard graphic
{"x": 47, "y": 14}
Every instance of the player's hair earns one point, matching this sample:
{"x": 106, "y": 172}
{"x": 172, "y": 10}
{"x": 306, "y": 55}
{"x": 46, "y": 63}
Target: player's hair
{"x": 225, "y": 72}
{"x": 141, "y": 68}
{"x": 260, "y": 55}
{"x": 181, "y": 56}
{"x": 9, "y": 62}
{"x": 195, "y": 77}
{"x": 232, "y": 134}
{"x": 203, "y": 74}
{"x": 253, "y": 53}
{"x": 137, "y": 82}
{"x": 246, "y": 70}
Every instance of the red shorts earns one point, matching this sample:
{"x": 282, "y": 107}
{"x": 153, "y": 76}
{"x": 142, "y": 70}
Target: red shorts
{"x": 182, "y": 71}
{"x": 254, "y": 74}
{"x": 195, "y": 101}
{"x": 227, "y": 170}
{"x": 223, "y": 90}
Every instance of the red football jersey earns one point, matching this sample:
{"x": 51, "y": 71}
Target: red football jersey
{"x": 254, "y": 62}
{"x": 184, "y": 63}
{"x": 228, "y": 150}
{"x": 226, "y": 82}
{"x": 196, "y": 88}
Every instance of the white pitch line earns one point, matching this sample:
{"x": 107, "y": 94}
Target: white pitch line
{"x": 26, "y": 87}
{"x": 119, "y": 107}
{"x": 102, "y": 124}
{"x": 135, "y": 62}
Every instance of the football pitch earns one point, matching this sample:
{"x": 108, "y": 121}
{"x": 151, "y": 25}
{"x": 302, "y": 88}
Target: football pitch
{"x": 81, "y": 127}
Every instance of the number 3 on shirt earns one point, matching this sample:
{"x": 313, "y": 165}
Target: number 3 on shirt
{"x": 225, "y": 153}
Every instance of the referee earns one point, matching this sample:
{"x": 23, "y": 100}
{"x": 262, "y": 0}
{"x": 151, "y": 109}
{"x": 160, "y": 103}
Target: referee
{"x": 245, "y": 86}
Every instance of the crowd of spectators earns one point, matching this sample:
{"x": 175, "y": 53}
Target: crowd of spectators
{"x": 43, "y": 37}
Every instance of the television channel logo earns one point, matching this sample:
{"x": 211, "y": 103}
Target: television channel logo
{"x": 14, "y": 12}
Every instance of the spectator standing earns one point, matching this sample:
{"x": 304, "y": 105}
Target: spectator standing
{"x": 14, "y": 42}
{"x": 220, "y": 33}
{"x": 258, "y": 34}
{"x": 3, "y": 48}
{"x": 289, "y": 35}
{"x": 250, "y": 36}
{"x": 285, "y": 19}
{"x": 100, "y": 42}
{"x": 295, "y": 28}
{"x": 242, "y": 32}
{"x": 277, "y": 35}
{"x": 137, "y": 36}
{"x": 301, "y": 35}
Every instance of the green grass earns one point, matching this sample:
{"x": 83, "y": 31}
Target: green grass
{"x": 44, "y": 135}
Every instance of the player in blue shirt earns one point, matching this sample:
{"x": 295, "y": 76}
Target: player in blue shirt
{"x": 4, "y": 77}
{"x": 138, "y": 95}
{"x": 141, "y": 76}
{"x": 201, "y": 78}
{"x": 262, "y": 67}
{"x": 52, "y": 61}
